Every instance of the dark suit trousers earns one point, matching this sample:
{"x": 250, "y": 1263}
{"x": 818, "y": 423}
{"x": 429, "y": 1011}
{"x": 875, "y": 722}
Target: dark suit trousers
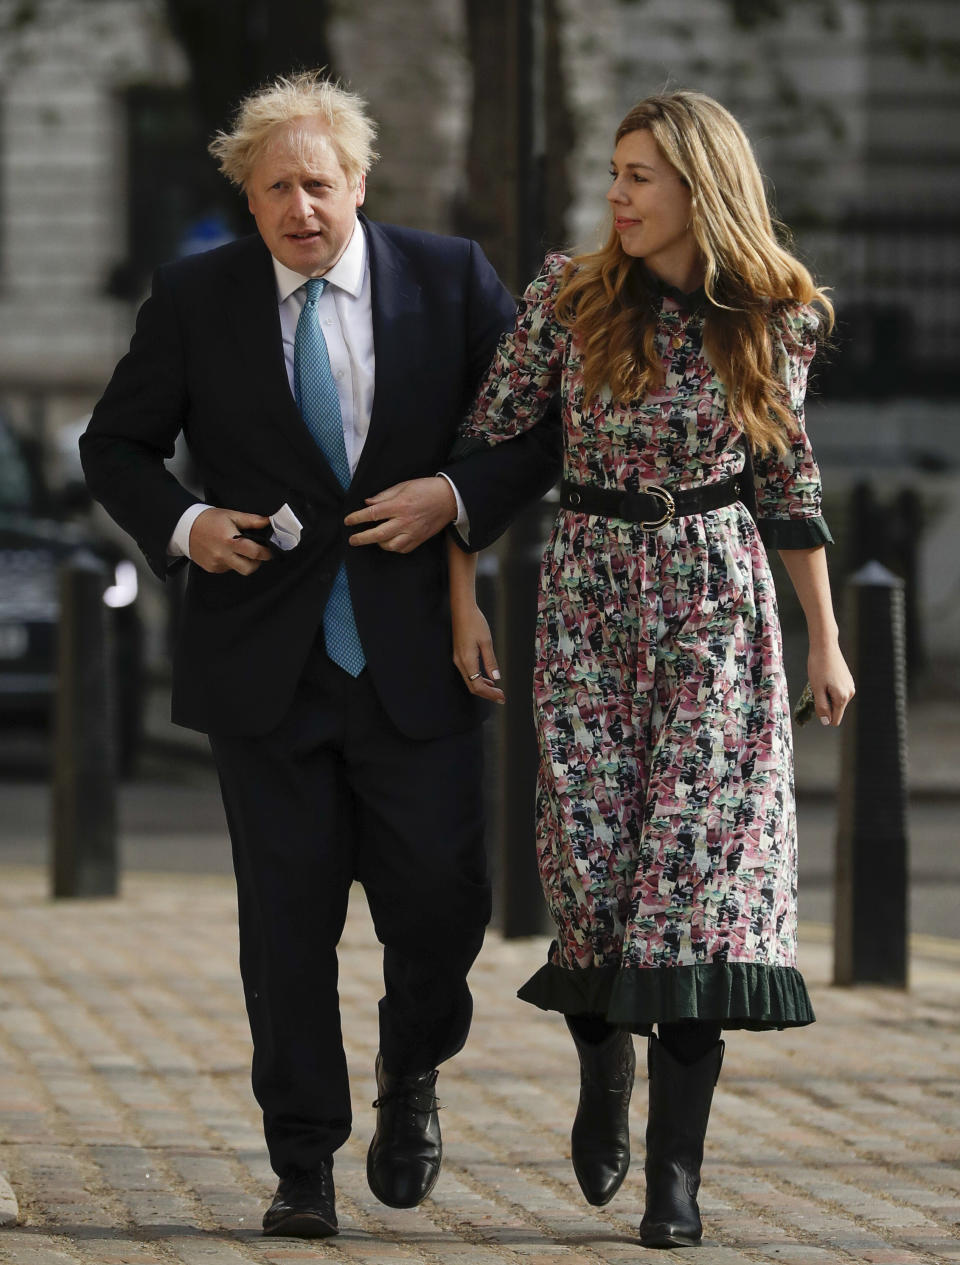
{"x": 337, "y": 793}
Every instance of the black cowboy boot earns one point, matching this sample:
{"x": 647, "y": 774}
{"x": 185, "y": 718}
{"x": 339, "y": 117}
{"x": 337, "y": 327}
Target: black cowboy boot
{"x": 403, "y": 1162}
{"x": 600, "y": 1140}
{"x": 680, "y": 1098}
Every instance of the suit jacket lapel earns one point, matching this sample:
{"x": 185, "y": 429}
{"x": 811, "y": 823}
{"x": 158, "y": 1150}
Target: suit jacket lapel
{"x": 396, "y": 299}
{"x": 255, "y": 316}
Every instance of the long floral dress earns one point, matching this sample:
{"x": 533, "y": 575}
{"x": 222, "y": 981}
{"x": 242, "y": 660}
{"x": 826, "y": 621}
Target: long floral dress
{"x": 666, "y": 830}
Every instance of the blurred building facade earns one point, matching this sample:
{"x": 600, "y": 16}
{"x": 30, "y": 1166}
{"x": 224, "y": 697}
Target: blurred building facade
{"x": 63, "y": 184}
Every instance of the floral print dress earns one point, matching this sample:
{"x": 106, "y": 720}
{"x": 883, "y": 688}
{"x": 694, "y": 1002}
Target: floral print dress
{"x": 666, "y": 833}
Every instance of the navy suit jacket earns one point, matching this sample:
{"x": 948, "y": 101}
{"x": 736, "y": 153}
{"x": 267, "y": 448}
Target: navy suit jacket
{"x": 207, "y": 359}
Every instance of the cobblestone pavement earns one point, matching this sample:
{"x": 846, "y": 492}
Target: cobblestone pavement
{"x": 129, "y": 1135}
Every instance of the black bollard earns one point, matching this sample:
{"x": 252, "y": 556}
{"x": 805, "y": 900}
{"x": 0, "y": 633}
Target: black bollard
{"x": 870, "y": 912}
{"x": 84, "y": 860}
{"x": 522, "y": 909}
{"x": 908, "y": 517}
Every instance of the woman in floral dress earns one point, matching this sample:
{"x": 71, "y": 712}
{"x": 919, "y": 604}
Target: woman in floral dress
{"x": 666, "y": 833}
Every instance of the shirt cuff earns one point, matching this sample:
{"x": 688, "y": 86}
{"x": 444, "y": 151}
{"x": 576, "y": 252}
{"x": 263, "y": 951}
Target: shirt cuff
{"x": 179, "y": 544}
{"x": 462, "y": 521}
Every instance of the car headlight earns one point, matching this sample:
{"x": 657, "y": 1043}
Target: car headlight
{"x": 123, "y": 590}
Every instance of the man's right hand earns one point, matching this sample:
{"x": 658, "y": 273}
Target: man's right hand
{"x": 216, "y": 545}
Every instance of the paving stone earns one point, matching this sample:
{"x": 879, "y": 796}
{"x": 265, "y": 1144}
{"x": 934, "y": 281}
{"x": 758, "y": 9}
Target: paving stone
{"x": 9, "y": 1211}
{"x": 23, "y": 1249}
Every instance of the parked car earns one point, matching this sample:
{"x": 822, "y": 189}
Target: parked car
{"x": 36, "y": 537}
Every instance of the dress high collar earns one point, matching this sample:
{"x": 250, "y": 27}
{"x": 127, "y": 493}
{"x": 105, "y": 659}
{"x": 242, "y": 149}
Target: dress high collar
{"x": 690, "y": 300}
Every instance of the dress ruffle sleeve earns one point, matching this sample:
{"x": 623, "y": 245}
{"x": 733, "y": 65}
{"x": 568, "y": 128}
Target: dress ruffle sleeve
{"x": 788, "y": 484}
{"x": 525, "y": 372}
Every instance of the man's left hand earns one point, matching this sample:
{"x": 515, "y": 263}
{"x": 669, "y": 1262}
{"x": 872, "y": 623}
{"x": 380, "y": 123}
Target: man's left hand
{"x": 406, "y": 514}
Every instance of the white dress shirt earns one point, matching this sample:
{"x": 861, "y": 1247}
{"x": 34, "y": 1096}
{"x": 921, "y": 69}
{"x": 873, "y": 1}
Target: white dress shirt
{"x": 346, "y": 320}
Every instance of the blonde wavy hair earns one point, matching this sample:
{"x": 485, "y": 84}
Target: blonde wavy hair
{"x": 307, "y": 94}
{"x": 607, "y": 297}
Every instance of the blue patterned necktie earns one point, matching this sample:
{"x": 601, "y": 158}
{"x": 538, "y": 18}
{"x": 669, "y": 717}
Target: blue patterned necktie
{"x": 320, "y": 406}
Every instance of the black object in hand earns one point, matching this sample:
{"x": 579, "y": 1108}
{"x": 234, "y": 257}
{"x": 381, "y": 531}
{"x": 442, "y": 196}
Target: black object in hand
{"x": 261, "y": 535}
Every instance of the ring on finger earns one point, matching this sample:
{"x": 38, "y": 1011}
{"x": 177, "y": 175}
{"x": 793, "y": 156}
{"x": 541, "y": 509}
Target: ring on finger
{"x": 475, "y": 676}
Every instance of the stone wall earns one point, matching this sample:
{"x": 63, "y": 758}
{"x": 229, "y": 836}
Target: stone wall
{"x": 407, "y": 58}
{"x": 62, "y": 187}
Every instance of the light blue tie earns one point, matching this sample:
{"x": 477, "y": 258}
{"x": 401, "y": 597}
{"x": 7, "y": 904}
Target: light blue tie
{"x": 320, "y": 406}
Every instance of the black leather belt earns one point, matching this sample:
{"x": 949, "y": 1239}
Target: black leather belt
{"x": 654, "y": 506}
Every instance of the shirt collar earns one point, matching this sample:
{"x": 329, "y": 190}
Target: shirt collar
{"x": 347, "y": 273}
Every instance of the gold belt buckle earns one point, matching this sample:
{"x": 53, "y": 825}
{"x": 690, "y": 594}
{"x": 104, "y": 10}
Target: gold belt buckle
{"x": 669, "y": 507}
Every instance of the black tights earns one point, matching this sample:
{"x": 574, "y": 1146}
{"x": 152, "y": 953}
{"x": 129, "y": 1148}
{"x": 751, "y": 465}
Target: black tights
{"x": 687, "y": 1041}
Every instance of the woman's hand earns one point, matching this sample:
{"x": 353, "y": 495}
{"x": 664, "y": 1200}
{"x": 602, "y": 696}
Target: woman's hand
{"x": 827, "y": 671}
{"x": 472, "y": 643}
{"x": 473, "y": 651}
{"x": 830, "y": 681}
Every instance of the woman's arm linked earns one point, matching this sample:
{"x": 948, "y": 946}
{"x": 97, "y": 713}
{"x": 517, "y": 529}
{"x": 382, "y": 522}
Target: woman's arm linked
{"x": 827, "y": 671}
{"x": 472, "y": 643}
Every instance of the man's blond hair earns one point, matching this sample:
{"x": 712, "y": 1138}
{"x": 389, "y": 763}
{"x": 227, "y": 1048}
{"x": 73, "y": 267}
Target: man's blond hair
{"x": 302, "y": 96}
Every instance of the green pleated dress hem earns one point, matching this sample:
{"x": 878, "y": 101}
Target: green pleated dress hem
{"x": 734, "y": 994}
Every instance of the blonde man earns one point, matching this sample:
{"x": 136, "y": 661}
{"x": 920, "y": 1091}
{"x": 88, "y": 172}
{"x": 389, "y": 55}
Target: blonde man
{"x": 309, "y": 365}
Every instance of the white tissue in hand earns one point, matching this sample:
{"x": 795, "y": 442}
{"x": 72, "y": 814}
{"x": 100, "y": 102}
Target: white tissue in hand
{"x": 286, "y": 528}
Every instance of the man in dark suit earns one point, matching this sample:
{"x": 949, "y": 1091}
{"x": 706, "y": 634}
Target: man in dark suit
{"x": 309, "y": 366}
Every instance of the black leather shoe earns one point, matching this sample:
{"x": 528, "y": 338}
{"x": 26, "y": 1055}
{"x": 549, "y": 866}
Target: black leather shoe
{"x": 600, "y": 1139}
{"x": 303, "y": 1207}
{"x": 403, "y": 1162}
